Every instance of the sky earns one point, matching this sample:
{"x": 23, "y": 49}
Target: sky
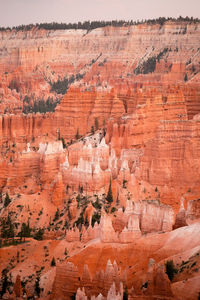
{"x": 17, "y": 12}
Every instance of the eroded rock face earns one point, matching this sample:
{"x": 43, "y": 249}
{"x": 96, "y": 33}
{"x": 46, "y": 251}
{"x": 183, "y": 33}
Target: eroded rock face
{"x": 180, "y": 220}
{"x": 108, "y": 283}
{"x": 17, "y": 289}
{"x": 68, "y": 275}
{"x": 138, "y": 152}
{"x": 193, "y": 211}
{"x": 116, "y": 126}
{"x": 106, "y": 58}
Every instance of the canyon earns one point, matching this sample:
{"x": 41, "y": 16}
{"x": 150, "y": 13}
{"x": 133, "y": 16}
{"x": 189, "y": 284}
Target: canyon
{"x": 100, "y": 192}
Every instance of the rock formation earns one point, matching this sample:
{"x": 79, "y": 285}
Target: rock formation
{"x": 109, "y": 168}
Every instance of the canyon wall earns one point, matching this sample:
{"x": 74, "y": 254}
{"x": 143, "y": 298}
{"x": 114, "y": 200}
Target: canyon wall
{"x": 114, "y": 171}
{"x": 104, "y": 57}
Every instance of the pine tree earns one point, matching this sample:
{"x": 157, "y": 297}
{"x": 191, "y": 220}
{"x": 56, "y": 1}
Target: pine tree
{"x": 57, "y": 215}
{"x": 185, "y": 77}
{"x": 77, "y": 134}
{"x": 37, "y": 285}
{"x": 117, "y": 201}
{"x": 25, "y": 231}
{"x": 109, "y": 197}
{"x": 92, "y": 129}
{"x": 7, "y": 200}
{"x": 11, "y": 229}
{"x": 125, "y": 294}
{"x": 7, "y": 228}
{"x": 53, "y": 262}
{"x": 4, "y": 282}
{"x": 170, "y": 269}
{"x": 39, "y": 234}
{"x": 104, "y": 131}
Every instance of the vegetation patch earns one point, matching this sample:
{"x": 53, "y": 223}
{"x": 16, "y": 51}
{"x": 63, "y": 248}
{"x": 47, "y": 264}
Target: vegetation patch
{"x": 40, "y": 105}
{"x": 149, "y": 65}
{"x": 170, "y": 269}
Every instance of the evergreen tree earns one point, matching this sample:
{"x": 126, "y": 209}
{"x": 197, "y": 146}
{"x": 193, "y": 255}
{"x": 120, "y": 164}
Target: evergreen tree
{"x": 7, "y": 228}
{"x": 185, "y": 77}
{"x": 7, "y": 200}
{"x": 92, "y": 129}
{"x": 57, "y": 215}
{"x": 37, "y": 285}
{"x": 63, "y": 143}
{"x": 109, "y": 197}
{"x": 73, "y": 297}
{"x": 77, "y": 134}
{"x": 125, "y": 294}
{"x": 170, "y": 269}
{"x": 4, "y": 282}
{"x": 96, "y": 218}
{"x": 117, "y": 201}
{"x": 53, "y": 262}
{"x": 39, "y": 234}
{"x": 25, "y": 231}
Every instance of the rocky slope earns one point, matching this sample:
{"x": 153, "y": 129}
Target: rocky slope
{"x": 110, "y": 176}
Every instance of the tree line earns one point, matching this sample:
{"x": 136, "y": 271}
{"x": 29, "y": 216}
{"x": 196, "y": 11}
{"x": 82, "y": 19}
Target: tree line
{"x": 90, "y": 25}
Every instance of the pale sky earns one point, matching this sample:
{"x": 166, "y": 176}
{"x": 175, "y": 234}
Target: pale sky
{"x": 17, "y": 12}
